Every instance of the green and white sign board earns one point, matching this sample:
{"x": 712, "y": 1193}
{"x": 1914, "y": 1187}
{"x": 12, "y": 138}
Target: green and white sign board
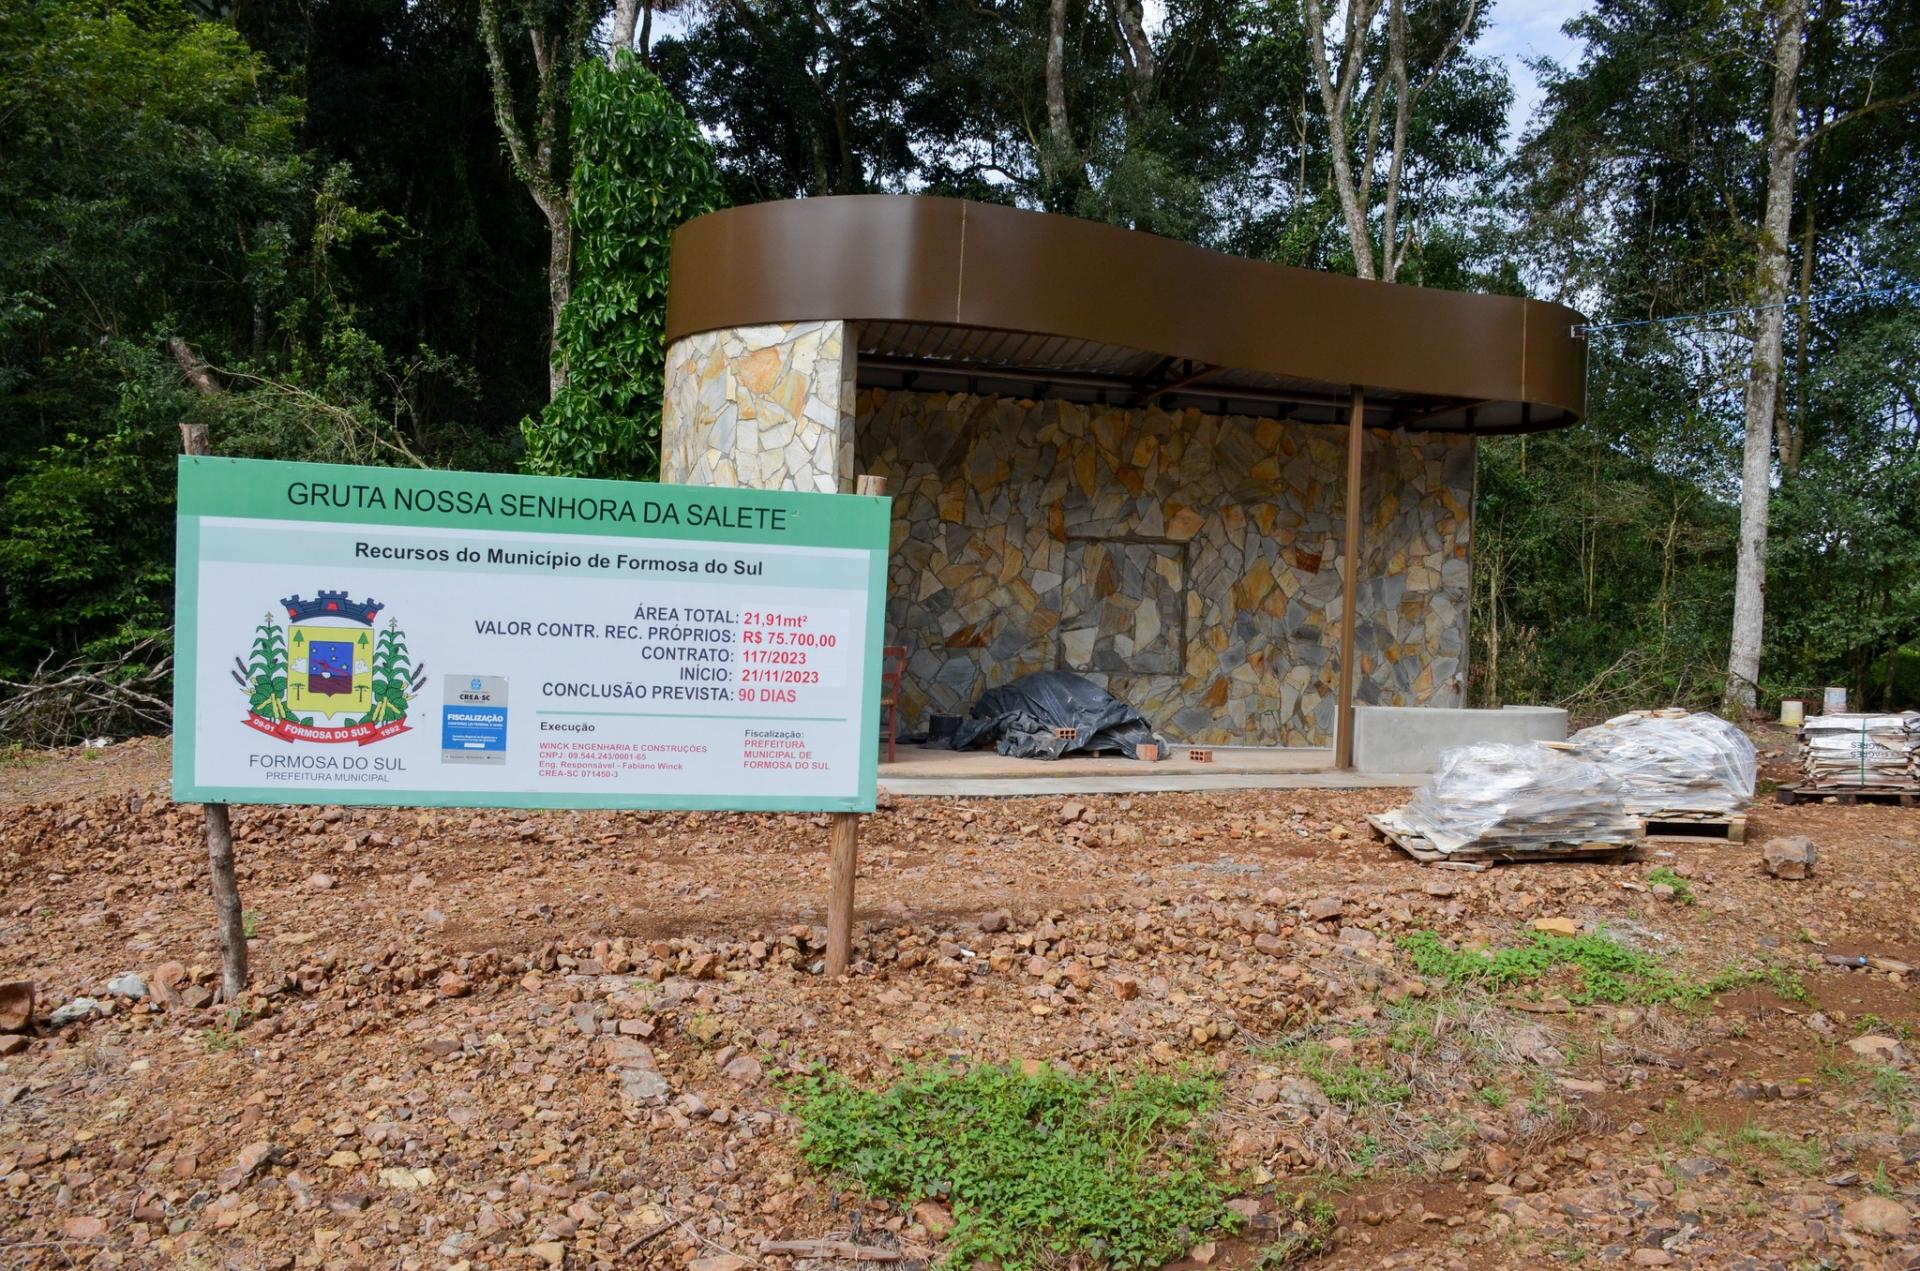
{"x": 388, "y": 636}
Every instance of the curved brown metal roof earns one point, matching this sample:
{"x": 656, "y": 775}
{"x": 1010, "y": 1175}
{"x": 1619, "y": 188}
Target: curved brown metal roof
{"x": 956, "y": 294}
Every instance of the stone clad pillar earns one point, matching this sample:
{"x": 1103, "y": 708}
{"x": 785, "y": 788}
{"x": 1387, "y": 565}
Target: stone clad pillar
{"x": 768, "y": 408}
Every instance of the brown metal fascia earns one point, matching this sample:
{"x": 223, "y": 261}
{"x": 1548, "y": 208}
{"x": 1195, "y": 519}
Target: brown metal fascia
{"x": 894, "y": 258}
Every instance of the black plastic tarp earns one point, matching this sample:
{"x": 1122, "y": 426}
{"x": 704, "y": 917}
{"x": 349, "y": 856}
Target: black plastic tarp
{"x": 1019, "y": 719}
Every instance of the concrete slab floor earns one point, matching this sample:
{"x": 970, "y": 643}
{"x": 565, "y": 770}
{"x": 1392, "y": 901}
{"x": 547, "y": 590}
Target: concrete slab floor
{"x": 920, "y": 770}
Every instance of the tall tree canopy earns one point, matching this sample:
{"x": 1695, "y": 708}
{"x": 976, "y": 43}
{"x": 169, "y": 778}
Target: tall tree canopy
{"x": 1645, "y": 189}
{"x": 1208, "y": 128}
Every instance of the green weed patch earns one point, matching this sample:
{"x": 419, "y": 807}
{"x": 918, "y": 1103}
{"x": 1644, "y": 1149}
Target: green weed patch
{"x": 1037, "y": 1169}
{"x": 1349, "y": 1084}
{"x": 1595, "y": 968}
{"x": 1306, "y": 1231}
{"x": 1682, "y": 889}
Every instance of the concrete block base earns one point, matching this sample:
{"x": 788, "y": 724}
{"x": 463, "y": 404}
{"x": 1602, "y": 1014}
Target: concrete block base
{"x": 1410, "y": 738}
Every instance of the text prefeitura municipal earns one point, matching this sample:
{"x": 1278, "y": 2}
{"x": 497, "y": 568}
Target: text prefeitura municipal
{"x": 546, "y": 507}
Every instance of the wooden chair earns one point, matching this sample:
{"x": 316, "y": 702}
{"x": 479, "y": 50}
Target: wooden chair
{"x": 893, "y": 667}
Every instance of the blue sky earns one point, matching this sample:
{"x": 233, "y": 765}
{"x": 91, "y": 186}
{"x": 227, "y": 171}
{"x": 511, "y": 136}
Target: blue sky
{"x": 1520, "y": 29}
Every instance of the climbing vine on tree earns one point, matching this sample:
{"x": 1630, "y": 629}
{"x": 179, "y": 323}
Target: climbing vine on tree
{"x": 640, "y": 169}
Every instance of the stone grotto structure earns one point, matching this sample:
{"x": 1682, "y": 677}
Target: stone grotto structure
{"x": 1116, "y": 454}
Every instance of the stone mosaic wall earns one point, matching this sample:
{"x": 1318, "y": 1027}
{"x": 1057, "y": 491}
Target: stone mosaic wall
{"x": 1189, "y": 562}
{"x": 762, "y": 407}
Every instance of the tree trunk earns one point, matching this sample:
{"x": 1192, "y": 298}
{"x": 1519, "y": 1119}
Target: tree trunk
{"x": 1334, "y": 98}
{"x": 626, "y": 15}
{"x": 539, "y": 160}
{"x": 1794, "y": 444}
{"x": 559, "y": 287}
{"x": 1139, "y": 53}
{"x": 1402, "y": 118}
{"x": 1060, "y": 152}
{"x": 1763, "y": 387}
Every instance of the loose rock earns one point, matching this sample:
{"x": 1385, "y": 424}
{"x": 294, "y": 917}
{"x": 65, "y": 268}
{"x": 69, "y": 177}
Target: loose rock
{"x": 1878, "y": 1216}
{"x": 1885, "y": 1049}
{"x": 1791, "y": 858}
{"x": 73, "y": 1012}
{"x": 934, "y": 1218}
{"x": 16, "y": 1006}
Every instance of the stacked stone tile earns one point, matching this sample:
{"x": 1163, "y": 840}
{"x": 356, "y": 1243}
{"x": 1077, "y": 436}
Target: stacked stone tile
{"x": 1673, "y": 760}
{"x": 1519, "y": 798}
{"x": 1861, "y": 751}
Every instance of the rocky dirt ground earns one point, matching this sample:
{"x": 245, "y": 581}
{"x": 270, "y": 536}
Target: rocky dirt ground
{"x": 508, "y": 1039}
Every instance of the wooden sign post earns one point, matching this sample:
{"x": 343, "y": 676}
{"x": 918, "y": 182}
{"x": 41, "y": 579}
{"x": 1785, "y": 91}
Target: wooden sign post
{"x": 226, "y": 888}
{"x": 843, "y": 865}
{"x": 842, "y": 869}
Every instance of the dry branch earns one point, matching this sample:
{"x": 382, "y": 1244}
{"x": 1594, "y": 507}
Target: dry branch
{"x": 84, "y": 697}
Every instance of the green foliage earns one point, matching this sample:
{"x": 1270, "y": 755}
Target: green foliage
{"x": 1602, "y": 969}
{"x": 150, "y": 165}
{"x": 1682, "y": 889}
{"x": 1307, "y": 1225}
{"x": 1802, "y": 1156}
{"x": 1891, "y": 1089}
{"x": 147, "y": 171}
{"x": 1036, "y": 1169}
{"x": 641, "y": 169}
{"x": 1350, "y": 1084}
{"x": 1220, "y": 140}
{"x": 1593, "y": 955}
{"x": 1604, "y": 557}
{"x": 86, "y": 529}
{"x": 153, "y": 186}
{"x": 1600, "y": 574}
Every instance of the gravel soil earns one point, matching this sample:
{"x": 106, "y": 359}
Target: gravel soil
{"x": 507, "y": 1039}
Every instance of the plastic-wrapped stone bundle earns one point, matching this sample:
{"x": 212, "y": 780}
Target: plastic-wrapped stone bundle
{"x": 1860, "y": 751}
{"x": 1672, "y": 761}
{"x": 1517, "y": 797}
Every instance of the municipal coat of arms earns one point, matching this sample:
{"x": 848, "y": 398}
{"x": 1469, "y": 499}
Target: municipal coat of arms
{"x": 328, "y": 672}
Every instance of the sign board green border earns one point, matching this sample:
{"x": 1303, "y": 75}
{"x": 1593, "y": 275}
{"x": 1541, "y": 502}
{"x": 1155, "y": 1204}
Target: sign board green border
{"x": 260, "y": 489}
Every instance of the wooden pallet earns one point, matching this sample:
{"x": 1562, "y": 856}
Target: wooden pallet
{"x": 1388, "y": 828}
{"x": 1728, "y": 827}
{"x": 1847, "y": 796}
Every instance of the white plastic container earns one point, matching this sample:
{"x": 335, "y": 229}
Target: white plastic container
{"x": 1793, "y": 712}
{"x": 1835, "y": 702}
